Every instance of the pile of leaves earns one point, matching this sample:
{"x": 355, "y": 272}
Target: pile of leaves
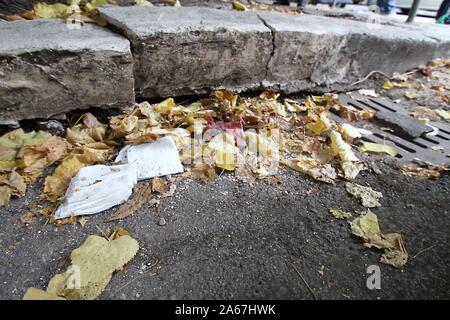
{"x": 250, "y": 137}
{"x": 428, "y": 84}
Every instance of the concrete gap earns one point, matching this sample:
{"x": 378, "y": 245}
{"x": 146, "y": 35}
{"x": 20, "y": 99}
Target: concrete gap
{"x": 272, "y": 31}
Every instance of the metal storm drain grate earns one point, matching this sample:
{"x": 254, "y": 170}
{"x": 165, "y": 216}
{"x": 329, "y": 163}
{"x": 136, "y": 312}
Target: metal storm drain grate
{"x": 409, "y": 138}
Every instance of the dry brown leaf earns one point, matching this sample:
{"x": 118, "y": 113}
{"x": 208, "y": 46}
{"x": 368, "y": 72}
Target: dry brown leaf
{"x": 27, "y": 217}
{"x": 5, "y": 195}
{"x": 158, "y": 185}
{"x": 119, "y": 232}
{"x": 82, "y": 221}
{"x": 137, "y": 201}
{"x": 340, "y": 214}
{"x": 366, "y": 227}
{"x": 90, "y": 121}
{"x": 169, "y": 193}
{"x": 203, "y": 171}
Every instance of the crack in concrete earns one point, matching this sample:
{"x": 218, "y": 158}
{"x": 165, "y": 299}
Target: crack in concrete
{"x": 272, "y": 32}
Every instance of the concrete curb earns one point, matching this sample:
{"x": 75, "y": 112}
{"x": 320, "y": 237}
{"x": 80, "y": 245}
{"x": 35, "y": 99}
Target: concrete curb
{"x": 46, "y": 68}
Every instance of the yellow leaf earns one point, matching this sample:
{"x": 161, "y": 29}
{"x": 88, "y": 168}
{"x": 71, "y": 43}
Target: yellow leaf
{"x": 377, "y": 148}
{"x": 444, "y": 114}
{"x": 165, "y": 106}
{"x": 93, "y": 264}
{"x": 368, "y": 196}
{"x": 80, "y": 134}
{"x": 293, "y": 106}
{"x": 225, "y": 95}
{"x": 349, "y": 162}
{"x": 366, "y": 227}
{"x": 94, "y": 4}
{"x": 411, "y": 95}
{"x": 340, "y": 214}
{"x": 223, "y": 150}
{"x": 9, "y": 164}
{"x": 5, "y": 195}
{"x": 313, "y": 168}
{"x": 320, "y": 125}
{"x": 388, "y": 85}
{"x": 38, "y": 294}
{"x": 262, "y": 145}
{"x": 36, "y": 158}
{"x": 15, "y": 182}
{"x": 56, "y": 185}
{"x": 50, "y": 11}
{"x": 225, "y": 160}
{"x": 238, "y": 6}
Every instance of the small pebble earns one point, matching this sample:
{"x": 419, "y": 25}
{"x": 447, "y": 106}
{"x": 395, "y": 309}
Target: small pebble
{"x": 162, "y": 222}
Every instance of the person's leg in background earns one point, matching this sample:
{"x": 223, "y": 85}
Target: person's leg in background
{"x": 443, "y": 9}
{"x": 391, "y": 6}
{"x": 382, "y": 5}
{"x": 386, "y": 6}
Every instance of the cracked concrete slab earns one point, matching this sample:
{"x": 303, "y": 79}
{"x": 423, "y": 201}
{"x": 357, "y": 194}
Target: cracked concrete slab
{"x": 322, "y": 53}
{"x": 181, "y": 51}
{"x": 47, "y": 69}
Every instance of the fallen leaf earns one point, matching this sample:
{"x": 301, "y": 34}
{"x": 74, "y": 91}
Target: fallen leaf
{"x": 368, "y": 196}
{"x": 238, "y": 6}
{"x": 169, "y": 193}
{"x": 352, "y": 114}
{"x": 158, "y": 185}
{"x": 349, "y": 162}
{"x": 27, "y": 217}
{"x": 377, "y": 148}
{"x": 366, "y": 227}
{"x": 388, "y": 85}
{"x": 340, "y": 214}
{"x": 134, "y": 204}
{"x": 222, "y": 148}
{"x": 90, "y": 121}
{"x": 94, "y": 4}
{"x": 50, "y": 11}
{"x": 56, "y": 185}
{"x": 320, "y": 125}
{"x": 38, "y": 294}
{"x": 411, "y": 95}
{"x": 119, "y": 232}
{"x": 444, "y": 114}
{"x": 422, "y": 169}
{"x": 82, "y": 221}
{"x": 5, "y": 195}
{"x": 313, "y": 168}
{"x": 11, "y": 184}
{"x": 92, "y": 266}
{"x": 165, "y": 106}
